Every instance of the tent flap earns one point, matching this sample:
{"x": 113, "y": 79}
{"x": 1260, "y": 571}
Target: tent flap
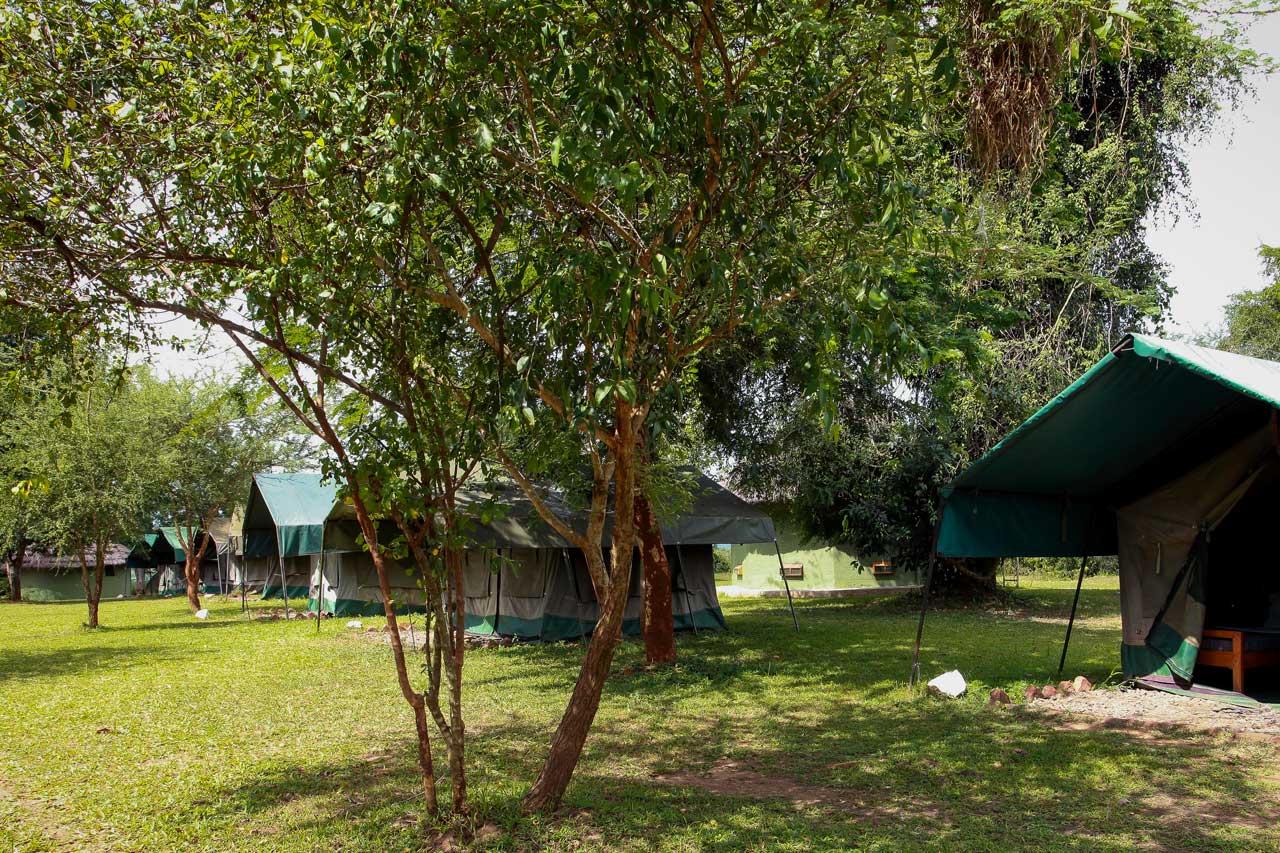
{"x": 1004, "y": 525}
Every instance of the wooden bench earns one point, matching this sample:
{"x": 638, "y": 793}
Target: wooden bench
{"x": 1239, "y": 657}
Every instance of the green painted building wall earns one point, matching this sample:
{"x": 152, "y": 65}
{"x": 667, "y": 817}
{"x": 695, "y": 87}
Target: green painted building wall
{"x": 66, "y": 586}
{"x": 824, "y": 566}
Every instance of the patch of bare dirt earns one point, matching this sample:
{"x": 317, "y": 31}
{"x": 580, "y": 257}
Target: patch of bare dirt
{"x": 1143, "y": 712}
{"x": 734, "y": 779}
{"x": 59, "y": 836}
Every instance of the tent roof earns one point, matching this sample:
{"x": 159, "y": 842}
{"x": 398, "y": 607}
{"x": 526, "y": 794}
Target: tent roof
{"x": 37, "y": 558}
{"x": 716, "y": 516}
{"x": 179, "y": 554}
{"x": 1146, "y": 412}
{"x": 287, "y": 511}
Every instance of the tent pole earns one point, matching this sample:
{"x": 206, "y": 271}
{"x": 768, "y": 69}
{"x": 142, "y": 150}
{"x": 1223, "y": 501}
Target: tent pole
{"x": 1062, "y": 662}
{"x": 924, "y": 595}
{"x": 320, "y": 592}
{"x": 782, "y": 571}
{"x": 497, "y": 604}
{"x": 284, "y": 582}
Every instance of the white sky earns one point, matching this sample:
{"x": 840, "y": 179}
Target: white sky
{"x": 1235, "y": 192}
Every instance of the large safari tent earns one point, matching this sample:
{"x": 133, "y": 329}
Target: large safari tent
{"x": 282, "y": 534}
{"x": 1167, "y": 455}
{"x": 524, "y": 580}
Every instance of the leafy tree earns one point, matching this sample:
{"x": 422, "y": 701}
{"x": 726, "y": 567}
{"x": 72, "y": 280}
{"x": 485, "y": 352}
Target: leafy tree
{"x": 217, "y": 438}
{"x": 90, "y": 470}
{"x": 1059, "y": 270}
{"x": 1252, "y": 317}
{"x": 506, "y": 231}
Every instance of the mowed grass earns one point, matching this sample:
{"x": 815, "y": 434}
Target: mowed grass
{"x": 160, "y": 732}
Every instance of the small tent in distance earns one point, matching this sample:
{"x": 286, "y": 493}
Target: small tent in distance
{"x": 1168, "y": 455}
{"x": 813, "y": 567}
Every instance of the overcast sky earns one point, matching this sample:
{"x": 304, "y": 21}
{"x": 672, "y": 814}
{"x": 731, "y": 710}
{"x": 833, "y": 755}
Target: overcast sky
{"x": 1235, "y": 189}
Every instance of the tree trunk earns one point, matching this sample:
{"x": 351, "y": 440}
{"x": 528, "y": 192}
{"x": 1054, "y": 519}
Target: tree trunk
{"x": 571, "y": 735}
{"x": 658, "y": 624}
{"x": 14, "y": 568}
{"x": 191, "y": 570}
{"x": 413, "y": 697}
{"x": 93, "y": 589}
{"x": 457, "y": 730}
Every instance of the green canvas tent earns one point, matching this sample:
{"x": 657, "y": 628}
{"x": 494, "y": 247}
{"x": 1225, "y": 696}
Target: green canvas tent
{"x": 214, "y": 574}
{"x": 524, "y": 580}
{"x": 282, "y": 534}
{"x": 1162, "y": 453}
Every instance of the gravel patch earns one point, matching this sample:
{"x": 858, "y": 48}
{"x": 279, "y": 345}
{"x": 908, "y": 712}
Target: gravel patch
{"x": 1141, "y": 706}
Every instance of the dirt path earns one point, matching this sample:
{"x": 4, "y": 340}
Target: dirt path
{"x": 735, "y": 779}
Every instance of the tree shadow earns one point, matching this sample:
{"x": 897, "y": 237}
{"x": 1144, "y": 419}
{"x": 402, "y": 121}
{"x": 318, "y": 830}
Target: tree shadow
{"x": 31, "y": 664}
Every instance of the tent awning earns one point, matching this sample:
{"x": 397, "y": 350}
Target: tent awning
{"x": 287, "y": 512}
{"x": 1146, "y": 412}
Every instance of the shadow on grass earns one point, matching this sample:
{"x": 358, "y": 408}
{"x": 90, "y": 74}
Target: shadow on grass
{"x": 61, "y": 662}
{"x": 921, "y": 773}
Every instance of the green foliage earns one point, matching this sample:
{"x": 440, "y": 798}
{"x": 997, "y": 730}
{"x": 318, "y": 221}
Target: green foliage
{"x": 1252, "y": 318}
{"x": 88, "y": 467}
{"x": 1055, "y": 272}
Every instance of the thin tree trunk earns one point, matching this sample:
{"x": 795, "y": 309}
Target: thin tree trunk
{"x": 657, "y": 624}
{"x": 93, "y": 590}
{"x": 414, "y": 698}
{"x": 14, "y": 568}
{"x": 457, "y": 730}
{"x": 571, "y": 735}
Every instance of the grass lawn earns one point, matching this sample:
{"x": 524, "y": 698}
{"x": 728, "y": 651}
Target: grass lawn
{"x": 160, "y": 732}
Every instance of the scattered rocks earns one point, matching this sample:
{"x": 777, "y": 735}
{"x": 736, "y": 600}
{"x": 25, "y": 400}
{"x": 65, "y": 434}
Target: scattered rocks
{"x": 998, "y": 697}
{"x": 1064, "y": 687}
{"x": 1032, "y": 692}
{"x": 355, "y": 623}
{"x": 1048, "y": 691}
{"x": 1082, "y": 684}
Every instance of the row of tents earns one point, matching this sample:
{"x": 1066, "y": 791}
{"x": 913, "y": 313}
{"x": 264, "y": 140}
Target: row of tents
{"x": 521, "y": 578}
{"x": 298, "y": 540}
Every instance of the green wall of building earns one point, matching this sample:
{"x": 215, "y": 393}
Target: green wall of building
{"x": 825, "y": 566}
{"x": 66, "y": 586}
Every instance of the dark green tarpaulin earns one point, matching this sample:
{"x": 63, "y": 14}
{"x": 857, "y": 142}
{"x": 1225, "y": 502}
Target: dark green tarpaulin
{"x": 1143, "y": 456}
{"x": 1051, "y": 487}
{"x": 287, "y": 511}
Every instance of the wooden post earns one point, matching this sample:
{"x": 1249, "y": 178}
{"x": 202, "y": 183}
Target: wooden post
{"x": 1062, "y": 662}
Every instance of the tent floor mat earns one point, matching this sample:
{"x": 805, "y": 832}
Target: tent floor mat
{"x": 1200, "y": 691}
